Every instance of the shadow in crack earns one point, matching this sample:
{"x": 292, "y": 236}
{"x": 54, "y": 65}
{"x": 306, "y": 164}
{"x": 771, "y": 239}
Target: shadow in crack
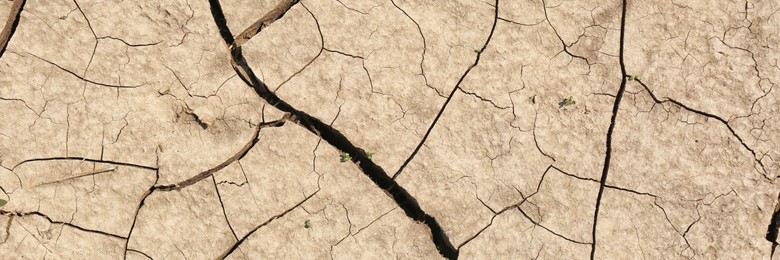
{"x": 335, "y": 138}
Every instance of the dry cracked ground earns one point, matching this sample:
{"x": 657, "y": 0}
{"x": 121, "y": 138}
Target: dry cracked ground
{"x": 241, "y": 129}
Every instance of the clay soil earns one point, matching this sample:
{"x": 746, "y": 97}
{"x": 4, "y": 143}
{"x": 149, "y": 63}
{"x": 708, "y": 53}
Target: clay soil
{"x": 381, "y": 129}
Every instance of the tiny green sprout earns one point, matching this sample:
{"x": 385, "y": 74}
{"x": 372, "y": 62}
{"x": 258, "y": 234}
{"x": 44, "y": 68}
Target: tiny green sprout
{"x": 369, "y": 155}
{"x": 345, "y": 157}
{"x": 3, "y": 202}
{"x": 478, "y": 51}
{"x": 570, "y": 101}
{"x": 307, "y": 224}
{"x": 532, "y": 99}
{"x": 567, "y": 102}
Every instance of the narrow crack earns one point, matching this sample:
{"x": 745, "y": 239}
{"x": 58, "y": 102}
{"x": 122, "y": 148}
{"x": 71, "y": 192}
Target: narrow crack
{"x": 536, "y": 140}
{"x": 521, "y": 24}
{"x": 707, "y": 115}
{"x": 343, "y": 53}
{"x": 23, "y": 102}
{"x": 402, "y": 197}
{"x": 536, "y": 118}
{"x": 350, "y": 8}
{"x": 483, "y": 99}
{"x": 349, "y": 230}
{"x": 684, "y": 233}
{"x": 550, "y": 230}
{"x": 85, "y": 174}
{"x": 502, "y": 211}
{"x": 263, "y": 22}
{"x": 449, "y": 98}
{"x": 129, "y": 44}
{"x": 353, "y": 234}
{"x": 86, "y": 160}
{"x": 141, "y": 205}
{"x": 563, "y": 43}
{"x": 517, "y": 206}
{"x": 373, "y": 221}
{"x": 11, "y": 23}
{"x": 139, "y": 252}
{"x": 611, "y": 129}
{"x": 234, "y": 183}
{"x": 606, "y": 185}
{"x": 83, "y": 78}
{"x": 36, "y": 213}
{"x": 67, "y": 129}
{"x": 237, "y": 156}
{"x": 319, "y": 53}
{"x": 425, "y": 47}
{"x": 97, "y": 41}
{"x": 222, "y": 205}
{"x": 241, "y": 241}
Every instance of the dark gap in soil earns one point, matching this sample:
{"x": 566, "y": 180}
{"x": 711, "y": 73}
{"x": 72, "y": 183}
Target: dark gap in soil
{"x": 610, "y": 130}
{"x": 377, "y": 175}
{"x": 11, "y": 24}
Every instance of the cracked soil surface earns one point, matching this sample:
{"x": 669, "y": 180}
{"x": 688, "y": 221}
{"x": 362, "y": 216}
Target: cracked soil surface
{"x": 505, "y": 129}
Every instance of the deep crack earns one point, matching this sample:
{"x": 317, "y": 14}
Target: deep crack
{"x": 11, "y": 24}
{"x": 610, "y": 130}
{"x": 774, "y": 225}
{"x": 329, "y": 134}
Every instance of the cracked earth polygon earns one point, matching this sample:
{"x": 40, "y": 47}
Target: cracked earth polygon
{"x": 379, "y": 129}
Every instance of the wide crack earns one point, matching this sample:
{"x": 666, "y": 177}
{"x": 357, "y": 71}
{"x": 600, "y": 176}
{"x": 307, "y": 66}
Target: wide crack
{"x": 325, "y": 131}
{"x": 774, "y": 225}
{"x": 10, "y": 25}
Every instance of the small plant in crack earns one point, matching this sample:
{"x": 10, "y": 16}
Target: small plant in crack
{"x": 3, "y": 202}
{"x": 370, "y": 155}
{"x": 307, "y": 224}
{"x": 633, "y": 78}
{"x": 567, "y": 102}
{"x": 478, "y": 51}
{"x": 345, "y": 157}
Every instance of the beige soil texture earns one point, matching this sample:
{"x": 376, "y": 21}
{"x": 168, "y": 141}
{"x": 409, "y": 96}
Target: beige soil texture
{"x": 381, "y": 129}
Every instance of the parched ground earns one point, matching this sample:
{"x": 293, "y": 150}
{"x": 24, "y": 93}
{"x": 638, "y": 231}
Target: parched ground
{"x": 378, "y": 129}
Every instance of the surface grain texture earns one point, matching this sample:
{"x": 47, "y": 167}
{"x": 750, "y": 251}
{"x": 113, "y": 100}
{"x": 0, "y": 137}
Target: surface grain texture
{"x": 389, "y": 129}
